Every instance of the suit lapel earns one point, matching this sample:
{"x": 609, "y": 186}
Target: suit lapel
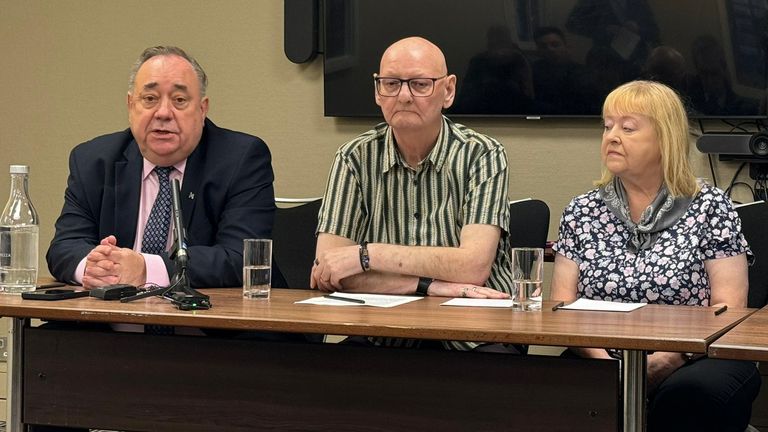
{"x": 193, "y": 174}
{"x": 127, "y": 195}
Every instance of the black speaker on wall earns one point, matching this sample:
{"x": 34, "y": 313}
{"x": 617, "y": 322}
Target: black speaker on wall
{"x": 301, "y": 30}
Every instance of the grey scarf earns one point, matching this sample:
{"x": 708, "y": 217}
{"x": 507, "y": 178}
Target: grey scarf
{"x": 661, "y": 214}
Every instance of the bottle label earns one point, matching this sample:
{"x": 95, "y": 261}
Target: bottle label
{"x": 5, "y": 246}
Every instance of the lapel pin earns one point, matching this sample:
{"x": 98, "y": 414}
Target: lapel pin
{"x": 191, "y": 195}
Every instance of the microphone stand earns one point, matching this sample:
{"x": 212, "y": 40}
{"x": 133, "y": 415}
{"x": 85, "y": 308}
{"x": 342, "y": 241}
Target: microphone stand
{"x": 178, "y": 292}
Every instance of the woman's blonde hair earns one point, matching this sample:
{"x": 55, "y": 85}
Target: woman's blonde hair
{"x": 662, "y": 106}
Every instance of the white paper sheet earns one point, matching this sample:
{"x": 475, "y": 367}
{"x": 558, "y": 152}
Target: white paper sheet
{"x": 475, "y": 302}
{"x": 375, "y": 300}
{"x": 605, "y": 306}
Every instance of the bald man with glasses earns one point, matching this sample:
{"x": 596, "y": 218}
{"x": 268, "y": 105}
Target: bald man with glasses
{"x": 418, "y": 205}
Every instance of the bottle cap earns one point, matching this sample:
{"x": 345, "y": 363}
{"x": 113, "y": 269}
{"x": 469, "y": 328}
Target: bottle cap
{"x": 19, "y": 169}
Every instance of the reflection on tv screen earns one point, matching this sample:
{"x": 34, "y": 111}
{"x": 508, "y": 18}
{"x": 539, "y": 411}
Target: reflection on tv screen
{"x": 557, "y": 57}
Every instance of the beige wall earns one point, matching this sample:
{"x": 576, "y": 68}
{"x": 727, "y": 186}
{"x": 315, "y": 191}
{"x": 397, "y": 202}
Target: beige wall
{"x": 63, "y": 81}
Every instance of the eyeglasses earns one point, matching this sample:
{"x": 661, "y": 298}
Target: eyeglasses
{"x": 419, "y": 87}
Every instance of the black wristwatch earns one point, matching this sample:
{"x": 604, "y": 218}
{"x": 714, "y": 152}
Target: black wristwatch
{"x": 423, "y": 286}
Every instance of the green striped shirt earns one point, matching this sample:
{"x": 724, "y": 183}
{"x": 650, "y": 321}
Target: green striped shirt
{"x": 373, "y": 195}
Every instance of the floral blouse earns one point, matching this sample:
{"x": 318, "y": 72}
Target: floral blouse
{"x": 669, "y": 272}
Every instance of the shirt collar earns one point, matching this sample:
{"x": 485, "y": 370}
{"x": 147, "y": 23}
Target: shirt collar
{"x": 149, "y": 167}
{"x": 436, "y": 157}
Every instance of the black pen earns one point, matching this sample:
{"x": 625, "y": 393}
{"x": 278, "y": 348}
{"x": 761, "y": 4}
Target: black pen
{"x": 721, "y": 309}
{"x": 351, "y": 300}
{"x": 50, "y": 285}
{"x": 558, "y": 306}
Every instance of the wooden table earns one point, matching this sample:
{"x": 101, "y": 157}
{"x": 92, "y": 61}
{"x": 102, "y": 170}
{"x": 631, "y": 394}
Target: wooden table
{"x": 452, "y": 390}
{"x": 749, "y": 341}
{"x": 746, "y": 341}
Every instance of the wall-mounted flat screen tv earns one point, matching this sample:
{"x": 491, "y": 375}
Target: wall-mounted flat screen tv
{"x": 557, "y": 58}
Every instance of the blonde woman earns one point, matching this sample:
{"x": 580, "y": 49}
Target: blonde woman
{"x": 650, "y": 233}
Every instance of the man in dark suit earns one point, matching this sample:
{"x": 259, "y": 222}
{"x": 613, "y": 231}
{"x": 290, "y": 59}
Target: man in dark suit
{"x": 103, "y": 233}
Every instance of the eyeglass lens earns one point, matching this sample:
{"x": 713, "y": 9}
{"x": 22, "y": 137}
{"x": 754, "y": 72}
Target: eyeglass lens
{"x": 419, "y": 86}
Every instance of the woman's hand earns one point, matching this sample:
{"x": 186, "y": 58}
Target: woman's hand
{"x": 660, "y": 367}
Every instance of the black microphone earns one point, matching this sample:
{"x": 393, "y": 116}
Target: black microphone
{"x": 182, "y": 295}
{"x": 179, "y": 292}
{"x": 180, "y": 248}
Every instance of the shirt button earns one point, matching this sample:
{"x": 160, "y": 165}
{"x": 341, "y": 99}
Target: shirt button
{"x": 417, "y": 215}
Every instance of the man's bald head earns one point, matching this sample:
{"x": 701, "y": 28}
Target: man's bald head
{"x": 414, "y": 50}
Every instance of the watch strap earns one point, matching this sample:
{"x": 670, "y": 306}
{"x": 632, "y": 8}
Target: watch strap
{"x": 423, "y": 287}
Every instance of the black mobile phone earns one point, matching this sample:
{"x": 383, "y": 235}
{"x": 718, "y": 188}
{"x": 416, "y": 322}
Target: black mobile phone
{"x": 54, "y": 294}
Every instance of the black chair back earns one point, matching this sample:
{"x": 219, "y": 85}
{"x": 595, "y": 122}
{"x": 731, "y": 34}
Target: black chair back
{"x": 294, "y": 241}
{"x": 528, "y": 223}
{"x": 754, "y": 225}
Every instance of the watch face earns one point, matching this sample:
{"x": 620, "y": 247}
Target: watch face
{"x": 689, "y": 357}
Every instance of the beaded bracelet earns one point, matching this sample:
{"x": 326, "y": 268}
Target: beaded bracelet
{"x": 365, "y": 260}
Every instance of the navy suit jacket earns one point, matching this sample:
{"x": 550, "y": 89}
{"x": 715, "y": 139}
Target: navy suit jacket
{"x": 226, "y": 196}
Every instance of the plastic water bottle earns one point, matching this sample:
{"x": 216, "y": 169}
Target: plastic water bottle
{"x": 19, "y": 234}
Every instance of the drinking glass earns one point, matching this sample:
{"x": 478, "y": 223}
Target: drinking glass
{"x": 257, "y": 268}
{"x": 527, "y": 277}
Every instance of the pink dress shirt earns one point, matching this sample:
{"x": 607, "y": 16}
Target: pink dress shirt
{"x": 157, "y": 274}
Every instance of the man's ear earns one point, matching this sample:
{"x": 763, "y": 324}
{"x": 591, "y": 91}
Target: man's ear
{"x": 376, "y": 96}
{"x": 129, "y": 105}
{"x": 450, "y": 91}
{"x": 204, "y": 106}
